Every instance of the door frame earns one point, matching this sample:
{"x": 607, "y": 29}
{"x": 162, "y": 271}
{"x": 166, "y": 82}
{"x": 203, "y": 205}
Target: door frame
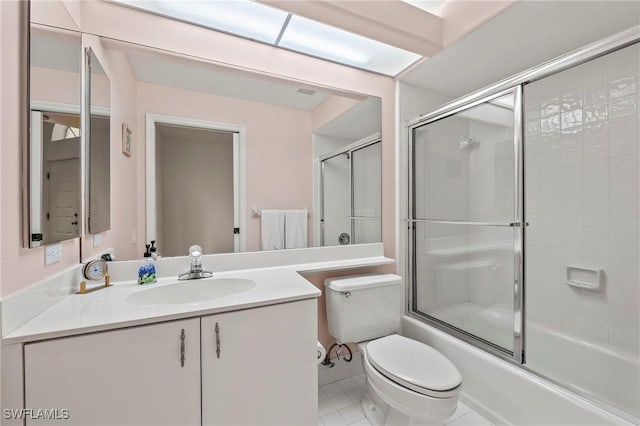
{"x": 239, "y": 171}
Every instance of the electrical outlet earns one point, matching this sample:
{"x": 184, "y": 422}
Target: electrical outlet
{"x": 97, "y": 240}
{"x": 52, "y": 253}
{"x": 134, "y": 236}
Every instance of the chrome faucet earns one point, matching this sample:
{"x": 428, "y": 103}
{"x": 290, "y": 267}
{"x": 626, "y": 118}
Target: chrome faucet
{"x": 195, "y": 271}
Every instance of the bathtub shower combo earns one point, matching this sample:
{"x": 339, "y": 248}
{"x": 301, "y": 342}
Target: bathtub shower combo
{"x": 523, "y": 212}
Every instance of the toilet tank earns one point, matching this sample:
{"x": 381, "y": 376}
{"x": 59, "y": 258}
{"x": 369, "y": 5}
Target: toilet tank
{"x": 363, "y": 307}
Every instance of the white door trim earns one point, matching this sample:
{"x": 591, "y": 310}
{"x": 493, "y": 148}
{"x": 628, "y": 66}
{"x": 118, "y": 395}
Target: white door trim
{"x": 239, "y": 170}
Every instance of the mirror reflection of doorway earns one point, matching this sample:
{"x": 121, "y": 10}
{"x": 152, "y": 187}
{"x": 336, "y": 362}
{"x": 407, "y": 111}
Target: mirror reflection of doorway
{"x": 194, "y": 189}
{"x": 56, "y": 178}
{"x": 62, "y": 189}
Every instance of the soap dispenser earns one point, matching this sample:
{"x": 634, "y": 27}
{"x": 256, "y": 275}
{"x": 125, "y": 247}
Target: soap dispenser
{"x": 154, "y": 250}
{"x": 147, "y": 272}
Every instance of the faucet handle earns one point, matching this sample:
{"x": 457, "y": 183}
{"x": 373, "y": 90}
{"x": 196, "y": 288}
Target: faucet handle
{"x": 195, "y": 251}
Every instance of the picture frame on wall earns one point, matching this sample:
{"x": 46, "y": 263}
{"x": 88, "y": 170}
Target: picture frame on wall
{"x": 126, "y": 140}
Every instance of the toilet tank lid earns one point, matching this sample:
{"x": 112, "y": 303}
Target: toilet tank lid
{"x": 360, "y": 282}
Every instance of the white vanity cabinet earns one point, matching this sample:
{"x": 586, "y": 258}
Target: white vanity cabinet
{"x": 259, "y": 367}
{"x": 133, "y": 376}
{"x": 265, "y": 372}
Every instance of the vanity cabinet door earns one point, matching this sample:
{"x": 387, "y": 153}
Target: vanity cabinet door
{"x": 133, "y": 376}
{"x": 265, "y": 372}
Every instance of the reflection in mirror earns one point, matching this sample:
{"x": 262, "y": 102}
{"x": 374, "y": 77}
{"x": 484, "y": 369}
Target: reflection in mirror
{"x": 98, "y": 147}
{"x": 223, "y": 146}
{"x": 54, "y": 146}
{"x": 179, "y": 214}
{"x": 351, "y": 199}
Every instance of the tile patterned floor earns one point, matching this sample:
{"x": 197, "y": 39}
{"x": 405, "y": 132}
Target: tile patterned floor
{"x": 339, "y": 405}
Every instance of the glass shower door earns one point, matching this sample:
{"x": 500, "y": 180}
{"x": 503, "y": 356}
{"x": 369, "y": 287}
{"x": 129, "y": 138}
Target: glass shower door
{"x": 336, "y": 200}
{"x": 465, "y": 217}
{"x": 351, "y": 194}
{"x": 367, "y": 194}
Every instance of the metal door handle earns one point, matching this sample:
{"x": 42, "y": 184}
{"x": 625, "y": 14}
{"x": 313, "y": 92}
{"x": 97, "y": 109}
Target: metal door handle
{"x": 217, "y": 340}
{"x": 182, "y": 336}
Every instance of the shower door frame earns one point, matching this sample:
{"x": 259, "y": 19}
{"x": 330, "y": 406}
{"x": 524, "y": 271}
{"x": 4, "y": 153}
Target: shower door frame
{"x": 348, "y": 149}
{"x": 516, "y": 84}
{"x": 517, "y": 353}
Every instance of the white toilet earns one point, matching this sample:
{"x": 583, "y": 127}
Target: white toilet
{"x": 408, "y": 382}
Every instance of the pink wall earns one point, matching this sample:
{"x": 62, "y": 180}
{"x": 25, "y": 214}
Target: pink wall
{"x": 66, "y": 90}
{"x": 1, "y": 169}
{"x": 19, "y": 266}
{"x": 330, "y": 109}
{"x": 278, "y": 145}
{"x": 54, "y": 12}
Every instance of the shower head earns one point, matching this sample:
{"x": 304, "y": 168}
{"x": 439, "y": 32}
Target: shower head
{"x": 467, "y": 142}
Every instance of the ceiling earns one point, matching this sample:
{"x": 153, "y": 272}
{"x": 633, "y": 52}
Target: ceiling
{"x": 366, "y": 114}
{"x": 207, "y": 78}
{"x": 524, "y": 35}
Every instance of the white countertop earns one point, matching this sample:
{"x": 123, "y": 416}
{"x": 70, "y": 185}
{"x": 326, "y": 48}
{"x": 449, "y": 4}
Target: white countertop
{"x": 108, "y": 308}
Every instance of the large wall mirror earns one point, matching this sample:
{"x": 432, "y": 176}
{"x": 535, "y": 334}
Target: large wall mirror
{"x": 232, "y": 157}
{"x": 54, "y": 143}
{"x": 222, "y": 157}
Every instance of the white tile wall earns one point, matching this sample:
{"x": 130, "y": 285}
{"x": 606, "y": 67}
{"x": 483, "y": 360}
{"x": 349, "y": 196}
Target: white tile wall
{"x": 581, "y": 147}
{"x": 582, "y": 202}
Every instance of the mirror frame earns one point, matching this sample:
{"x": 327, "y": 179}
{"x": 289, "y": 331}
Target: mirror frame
{"x": 25, "y": 118}
{"x": 88, "y": 111}
{"x": 26, "y": 126}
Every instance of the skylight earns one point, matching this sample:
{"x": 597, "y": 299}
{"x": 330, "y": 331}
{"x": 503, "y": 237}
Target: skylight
{"x": 273, "y": 26}
{"x": 324, "y": 41}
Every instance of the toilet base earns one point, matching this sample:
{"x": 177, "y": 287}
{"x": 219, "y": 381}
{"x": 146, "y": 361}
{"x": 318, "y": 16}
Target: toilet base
{"x": 379, "y": 413}
{"x": 387, "y": 404}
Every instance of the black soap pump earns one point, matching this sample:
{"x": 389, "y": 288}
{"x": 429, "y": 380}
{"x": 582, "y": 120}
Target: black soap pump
{"x": 154, "y": 250}
{"x": 147, "y": 273}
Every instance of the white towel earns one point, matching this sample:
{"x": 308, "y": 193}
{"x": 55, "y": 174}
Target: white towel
{"x": 272, "y": 229}
{"x": 295, "y": 228}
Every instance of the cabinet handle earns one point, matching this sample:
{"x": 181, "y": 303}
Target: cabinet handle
{"x": 182, "y": 336}
{"x": 217, "y": 340}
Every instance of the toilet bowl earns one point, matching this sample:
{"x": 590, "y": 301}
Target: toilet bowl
{"x": 408, "y": 382}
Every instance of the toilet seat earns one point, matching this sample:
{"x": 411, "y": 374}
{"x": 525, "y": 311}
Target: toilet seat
{"x": 414, "y": 365}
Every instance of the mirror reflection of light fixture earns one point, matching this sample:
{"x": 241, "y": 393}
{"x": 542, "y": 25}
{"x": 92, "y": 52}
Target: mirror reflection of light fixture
{"x": 316, "y": 39}
{"x": 61, "y": 132}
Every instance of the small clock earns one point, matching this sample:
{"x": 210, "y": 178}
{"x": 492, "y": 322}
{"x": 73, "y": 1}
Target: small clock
{"x": 95, "y": 270}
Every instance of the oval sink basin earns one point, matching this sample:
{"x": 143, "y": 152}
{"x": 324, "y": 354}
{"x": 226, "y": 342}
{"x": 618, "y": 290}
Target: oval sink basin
{"x": 191, "y": 291}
